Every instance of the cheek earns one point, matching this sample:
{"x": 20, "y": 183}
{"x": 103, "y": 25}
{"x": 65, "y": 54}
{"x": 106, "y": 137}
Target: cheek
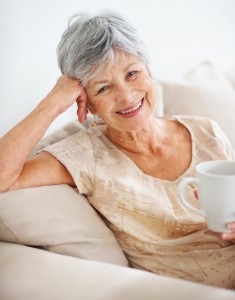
{"x": 148, "y": 87}
{"x": 145, "y": 82}
{"x": 100, "y": 106}
{"x": 151, "y": 94}
{"x": 93, "y": 103}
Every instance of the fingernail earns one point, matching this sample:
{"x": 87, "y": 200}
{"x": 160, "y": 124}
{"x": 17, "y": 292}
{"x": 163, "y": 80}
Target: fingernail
{"x": 223, "y": 236}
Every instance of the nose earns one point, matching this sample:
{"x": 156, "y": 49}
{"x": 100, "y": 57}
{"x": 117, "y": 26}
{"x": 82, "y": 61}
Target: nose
{"x": 124, "y": 92}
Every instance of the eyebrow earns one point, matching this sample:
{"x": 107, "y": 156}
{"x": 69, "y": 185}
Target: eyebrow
{"x": 106, "y": 80}
{"x": 100, "y": 82}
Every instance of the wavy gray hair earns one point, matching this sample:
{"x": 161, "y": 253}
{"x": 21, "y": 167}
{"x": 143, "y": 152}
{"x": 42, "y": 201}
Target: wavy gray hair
{"x": 89, "y": 42}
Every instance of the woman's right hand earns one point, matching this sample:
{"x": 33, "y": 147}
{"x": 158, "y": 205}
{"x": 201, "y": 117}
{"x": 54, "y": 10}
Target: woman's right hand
{"x": 65, "y": 93}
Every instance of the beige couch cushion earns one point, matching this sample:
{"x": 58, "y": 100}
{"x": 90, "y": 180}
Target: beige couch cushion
{"x": 202, "y": 91}
{"x": 58, "y": 219}
{"x": 33, "y": 274}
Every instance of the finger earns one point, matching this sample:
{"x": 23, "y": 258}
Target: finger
{"x": 228, "y": 236}
{"x": 82, "y": 110}
{"x": 82, "y": 106}
{"x": 194, "y": 190}
{"x": 82, "y": 115}
{"x": 231, "y": 226}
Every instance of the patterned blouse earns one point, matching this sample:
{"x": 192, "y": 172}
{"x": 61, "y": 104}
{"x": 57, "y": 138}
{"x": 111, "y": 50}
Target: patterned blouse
{"x": 156, "y": 232}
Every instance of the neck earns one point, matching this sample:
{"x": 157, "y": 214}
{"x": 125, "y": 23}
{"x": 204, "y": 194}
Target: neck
{"x": 143, "y": 140}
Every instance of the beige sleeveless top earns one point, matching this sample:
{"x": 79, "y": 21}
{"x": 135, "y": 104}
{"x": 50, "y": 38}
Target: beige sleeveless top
{"x": 154, "y": 230}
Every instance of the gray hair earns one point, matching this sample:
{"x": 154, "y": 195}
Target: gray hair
{"x": 89, "y": 42}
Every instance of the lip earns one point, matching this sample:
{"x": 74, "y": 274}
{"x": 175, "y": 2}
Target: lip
{"x": 133, "y": 113}
{"x": 129, "y": 107}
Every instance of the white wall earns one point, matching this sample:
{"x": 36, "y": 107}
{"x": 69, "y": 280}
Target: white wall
{"x": 179, "y": 34}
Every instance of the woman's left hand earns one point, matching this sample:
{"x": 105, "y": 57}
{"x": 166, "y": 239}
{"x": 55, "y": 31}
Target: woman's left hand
{"x": 231, "y": 234}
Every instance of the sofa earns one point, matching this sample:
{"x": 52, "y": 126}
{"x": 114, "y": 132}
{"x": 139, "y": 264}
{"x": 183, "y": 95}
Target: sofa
{"x": 54, "y": 245}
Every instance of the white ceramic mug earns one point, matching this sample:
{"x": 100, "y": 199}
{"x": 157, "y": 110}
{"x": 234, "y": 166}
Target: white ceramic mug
{"x": 215, "y": 184}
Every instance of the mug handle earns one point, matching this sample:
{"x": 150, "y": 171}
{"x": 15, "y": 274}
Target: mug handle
{"x": 181, "y": 188}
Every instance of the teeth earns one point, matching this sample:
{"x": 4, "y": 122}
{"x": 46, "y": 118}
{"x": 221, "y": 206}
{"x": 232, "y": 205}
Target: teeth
{"x": 131, "y": 110}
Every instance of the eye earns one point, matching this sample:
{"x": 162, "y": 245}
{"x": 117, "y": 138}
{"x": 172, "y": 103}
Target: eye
{"x": 103, "y": 89}
{"x": 132, "y": 74}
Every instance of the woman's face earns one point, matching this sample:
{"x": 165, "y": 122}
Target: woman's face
{"x": 123, "y": 94}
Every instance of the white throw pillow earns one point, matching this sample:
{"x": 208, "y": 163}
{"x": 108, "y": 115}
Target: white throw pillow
{"x": 68, "y": 129}
{"x": 59, "y": 219}
{"x": 202, "y": 91}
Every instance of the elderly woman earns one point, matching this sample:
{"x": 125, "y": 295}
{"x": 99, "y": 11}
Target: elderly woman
{"x": 129, "y": 167}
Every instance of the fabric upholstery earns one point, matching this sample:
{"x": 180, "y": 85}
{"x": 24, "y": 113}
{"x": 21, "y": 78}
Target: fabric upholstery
{"x": 27, "y": 273}
{"x": 205, "y": 91}
{"x": 58, "y": 219}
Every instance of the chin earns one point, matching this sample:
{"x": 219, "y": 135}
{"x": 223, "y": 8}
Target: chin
{"x": 136, "y": 125}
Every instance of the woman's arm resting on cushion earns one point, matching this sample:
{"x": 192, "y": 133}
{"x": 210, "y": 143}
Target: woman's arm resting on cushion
{"x": 44, "y": 169}
{"x": 17, "y": 144}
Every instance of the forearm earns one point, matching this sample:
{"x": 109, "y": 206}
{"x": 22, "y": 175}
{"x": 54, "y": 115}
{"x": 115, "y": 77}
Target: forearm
{"x": 17, "y": 144}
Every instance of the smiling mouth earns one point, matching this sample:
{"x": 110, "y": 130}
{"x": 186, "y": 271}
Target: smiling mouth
{"x": 134, "y": 109}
